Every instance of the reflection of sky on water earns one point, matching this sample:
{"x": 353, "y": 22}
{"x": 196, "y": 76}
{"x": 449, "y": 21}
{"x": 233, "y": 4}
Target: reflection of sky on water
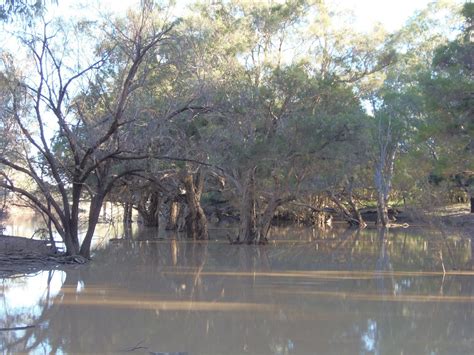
{"x": 31, "y": 225}
{"x": 80, "y": 286}
{"x": 369, "y": 337}
{"x": 26, "y": 296}
{"x": 24, "y": 299}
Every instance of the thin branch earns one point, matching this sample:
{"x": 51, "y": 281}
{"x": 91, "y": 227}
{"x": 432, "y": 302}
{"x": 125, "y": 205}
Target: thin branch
{"x": 17, "y": 328}
{"x": 36, "y": 201}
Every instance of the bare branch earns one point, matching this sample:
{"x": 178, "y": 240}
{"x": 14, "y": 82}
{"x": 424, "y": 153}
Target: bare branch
{"x": 9, "y": 186}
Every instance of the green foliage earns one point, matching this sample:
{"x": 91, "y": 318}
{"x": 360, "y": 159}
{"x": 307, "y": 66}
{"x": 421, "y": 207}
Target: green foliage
{"x": 447, "y": 90}
{"x": 23, "y": 8}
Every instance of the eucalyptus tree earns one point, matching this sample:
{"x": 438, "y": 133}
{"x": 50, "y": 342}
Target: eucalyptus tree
{"x": 342, "y": 57}
{"x": 278, "y": 122}
{"x": 25, "y": 9}
{"x": 447, "y": 88}
{"x": 243, "y": 40}
{"x": 397, "y": 105}
{"x": 58, "y": 96}
{"x": 8, "y": 133}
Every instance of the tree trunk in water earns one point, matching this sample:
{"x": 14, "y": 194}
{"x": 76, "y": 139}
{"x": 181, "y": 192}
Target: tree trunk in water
{"x": 355, "y": 211}
{"x": 382, "y": 211}
{"x": 383, "y": 184}
{"x": 342, "y": 208}
{"x": 72, "y": 248}
{"x": 472, "y": 204}
{"x": 196, "y": 221}
{"x": 354, "y": 218}
{"x": 183, "y": 212}
{"x": 49, "y": 226}
{"x": 266, "y": 219}
{"x": 127, "y": 213}
{"x": 359, "y": 217}
{"x": 149, "y": 209}
{"x": 384, "y": 168}
{"x": 248, "y": 222}
{"x": 172, "y": 223}
{"x": 94, "y": 214}
{"x": 70, "y": 237}
{"x": 127, "y": 220}
{"x": 321, "y": 220}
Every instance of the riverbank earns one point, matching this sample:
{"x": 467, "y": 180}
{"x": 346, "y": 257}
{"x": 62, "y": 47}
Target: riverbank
{"x": 20, "y": 256}
{"x": 455, "y": 217}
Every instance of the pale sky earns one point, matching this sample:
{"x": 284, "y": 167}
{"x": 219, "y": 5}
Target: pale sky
{"x": 391, "y": 13}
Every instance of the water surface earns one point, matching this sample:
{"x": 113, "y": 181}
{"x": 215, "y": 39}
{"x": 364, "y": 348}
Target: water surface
{"x": 339, "y": 292}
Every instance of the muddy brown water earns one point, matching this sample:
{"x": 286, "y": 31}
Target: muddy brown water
{"x": 339, "y": 292}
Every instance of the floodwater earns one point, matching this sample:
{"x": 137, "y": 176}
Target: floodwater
{"x": 339, "y": 292}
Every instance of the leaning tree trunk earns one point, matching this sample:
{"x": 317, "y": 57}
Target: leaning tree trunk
{"x": 248, "y": 220}
{"x": 357, "y": 215}
{"x": 266, "y": 219}
{"x": 347, "y": 214}
{"x": 355, "y": 211}
{"x": 196, "y": 221}
{"x": 94, "y": 214}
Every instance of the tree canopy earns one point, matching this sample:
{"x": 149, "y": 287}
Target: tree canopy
{"x": 260, "y": 105}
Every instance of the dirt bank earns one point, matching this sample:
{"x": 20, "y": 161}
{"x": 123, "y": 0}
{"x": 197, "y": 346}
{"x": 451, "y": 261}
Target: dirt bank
{"x": 450, "y": 218}
{"x": 21, "y": 256}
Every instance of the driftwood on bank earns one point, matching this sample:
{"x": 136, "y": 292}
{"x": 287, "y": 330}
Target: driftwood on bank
{"x": 27, "y": 263}
{"x": 21, "y": 256}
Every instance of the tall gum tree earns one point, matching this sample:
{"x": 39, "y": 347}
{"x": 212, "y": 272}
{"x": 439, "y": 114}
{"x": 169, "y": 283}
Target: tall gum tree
{"x": 447, "y": 88}
{"x": 397, "y": 106}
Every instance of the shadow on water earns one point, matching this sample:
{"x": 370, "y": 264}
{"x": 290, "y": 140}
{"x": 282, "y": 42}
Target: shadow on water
{"x": 335, "y": 292}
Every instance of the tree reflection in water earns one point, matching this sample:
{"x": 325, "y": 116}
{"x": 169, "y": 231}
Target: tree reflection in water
{"x": 355, "y": 291}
